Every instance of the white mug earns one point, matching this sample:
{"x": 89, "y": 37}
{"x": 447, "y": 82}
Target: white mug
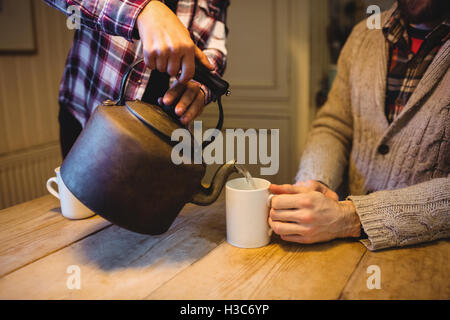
{"x": 247, "y": 213}
{"x": 71, "y": 207}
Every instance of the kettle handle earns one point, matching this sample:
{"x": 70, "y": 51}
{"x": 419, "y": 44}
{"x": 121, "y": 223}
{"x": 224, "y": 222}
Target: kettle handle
{"x": 123, "y": 84}
{"x": 217, "y": 85}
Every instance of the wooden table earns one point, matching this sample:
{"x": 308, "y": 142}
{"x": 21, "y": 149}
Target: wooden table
{"x": 193, "y": 261}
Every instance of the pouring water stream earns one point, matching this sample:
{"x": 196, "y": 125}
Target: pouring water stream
{"x": 248, "y": 177}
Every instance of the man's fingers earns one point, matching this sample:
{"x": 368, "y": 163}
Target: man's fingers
{"x": 331, "y": 194}
{"x": 318, "y": 186}
{"x": 201, "y": 56}
{"x": 304, "y": 217}
{"x": 174, "y": 92}
{"x": 291, "y": 201}
{"x": 285, "y": 228}
{"x": 287, "y": 189}
{"x": 285, "y": 215}
{"x": 281, "y": 189}
{"x": 297, "y": 238}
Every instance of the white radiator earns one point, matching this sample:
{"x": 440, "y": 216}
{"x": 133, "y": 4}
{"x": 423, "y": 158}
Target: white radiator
{"x": 23, "y": 174}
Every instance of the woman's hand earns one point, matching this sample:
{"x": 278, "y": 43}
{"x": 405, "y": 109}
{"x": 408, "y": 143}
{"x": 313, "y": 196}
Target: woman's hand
{"x": 299, "y": 214}
{"x": 189, "y": 99}
{"x": 167, "y": 44}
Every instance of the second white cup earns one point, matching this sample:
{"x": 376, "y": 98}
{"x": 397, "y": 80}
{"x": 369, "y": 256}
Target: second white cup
{"x": 247, "y": 213}
{"x": 71, "y": 207}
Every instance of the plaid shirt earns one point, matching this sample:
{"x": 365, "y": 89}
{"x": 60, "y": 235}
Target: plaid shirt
{"x": 408, "y": 60}
{"x": 105, "y": 45}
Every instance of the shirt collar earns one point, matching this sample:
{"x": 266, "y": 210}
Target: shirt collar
{"x": 395, "y": 28}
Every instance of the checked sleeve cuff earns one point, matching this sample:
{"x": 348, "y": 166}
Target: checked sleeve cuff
{"x": 118, "y": 17}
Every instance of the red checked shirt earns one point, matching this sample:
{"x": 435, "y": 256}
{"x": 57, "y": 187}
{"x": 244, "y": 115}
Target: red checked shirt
{"x": 411, "y": 51}
{"x": 104, "y": 46}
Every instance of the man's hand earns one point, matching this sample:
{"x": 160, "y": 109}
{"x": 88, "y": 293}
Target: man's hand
{"x": 167, "y": 44}
{"x": 317, "y": 186}
{"x": 191, "y": 100}
{"x": 298, "y": 214}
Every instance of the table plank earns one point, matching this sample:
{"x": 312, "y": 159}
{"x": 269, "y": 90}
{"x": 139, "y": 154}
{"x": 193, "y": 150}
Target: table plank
{"x": 418, "y": 272}
{"x": 278, "y": 271}
{"x": 33, "y": 229}
{"x": 119, "y": 264}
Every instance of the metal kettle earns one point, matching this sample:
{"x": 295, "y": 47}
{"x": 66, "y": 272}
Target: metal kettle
{"x": 120, "y": 166}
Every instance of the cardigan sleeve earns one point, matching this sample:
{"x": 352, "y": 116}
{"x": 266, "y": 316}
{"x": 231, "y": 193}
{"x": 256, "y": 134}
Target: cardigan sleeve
{"x": 395, "y": 218}
{"x": 328, "y": 146}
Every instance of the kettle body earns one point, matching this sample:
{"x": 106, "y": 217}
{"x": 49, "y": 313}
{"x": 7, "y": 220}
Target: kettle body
{"x": 120, "y": 167}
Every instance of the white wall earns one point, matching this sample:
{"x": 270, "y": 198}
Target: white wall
{"x": 272, "y": 73}
{"x": 29, "y": 148}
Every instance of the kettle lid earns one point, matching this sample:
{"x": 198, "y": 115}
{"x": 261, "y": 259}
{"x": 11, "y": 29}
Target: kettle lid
{"x": 153, "y": 117}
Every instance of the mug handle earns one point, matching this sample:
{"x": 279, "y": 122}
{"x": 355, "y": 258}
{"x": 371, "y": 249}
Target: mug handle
{"x": 269, "y": 204}
{"x": 50, "y": 187}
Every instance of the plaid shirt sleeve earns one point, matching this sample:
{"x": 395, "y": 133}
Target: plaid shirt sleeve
{"x": 216, "y": 52}
{"x": 114, "y": 17}
{"x": 213, "y": 42}
{"x": 103, "y": 49}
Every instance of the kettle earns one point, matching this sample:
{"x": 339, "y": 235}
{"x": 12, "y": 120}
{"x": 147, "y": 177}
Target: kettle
{"x": 120, "y": 166}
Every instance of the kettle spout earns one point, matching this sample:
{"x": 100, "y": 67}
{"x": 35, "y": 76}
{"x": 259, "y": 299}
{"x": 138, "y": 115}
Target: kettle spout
{"x": 208, "y": 195}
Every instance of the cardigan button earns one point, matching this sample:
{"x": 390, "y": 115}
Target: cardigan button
{"x": 383, "y": 149}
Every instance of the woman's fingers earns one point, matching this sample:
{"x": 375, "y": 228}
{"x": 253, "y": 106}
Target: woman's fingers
{"x": 195, "y": 109}
{"x": 174, "y": 93}
{"x": 187, "y": 99}
{"x": 201, "y": 56}
{"x": 187, "y": 67}
{"x": 150, "y": 59}
{"x": 164, "y": 36}
{"x": 161, "y": 60}
{"x": 174, "y": 62}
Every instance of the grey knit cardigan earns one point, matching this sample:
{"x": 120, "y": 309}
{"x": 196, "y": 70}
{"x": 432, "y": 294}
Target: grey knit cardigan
{"x": 401, "y": 194}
